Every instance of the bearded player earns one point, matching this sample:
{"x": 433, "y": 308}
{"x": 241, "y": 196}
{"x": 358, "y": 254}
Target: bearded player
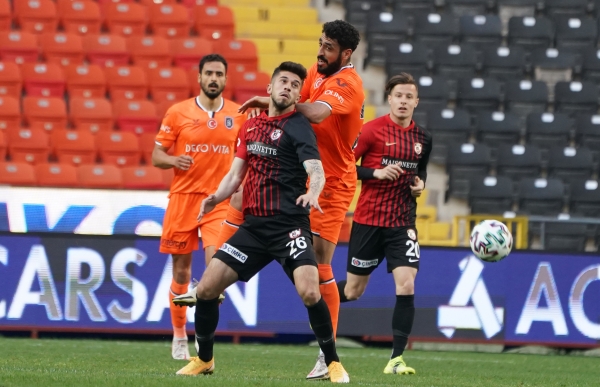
{"x": 203, "y": 132}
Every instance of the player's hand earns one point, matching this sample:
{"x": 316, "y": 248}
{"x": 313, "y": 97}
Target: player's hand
{"x": 417, "y": 187}
{"x": 391, "y": 172}
{"x": 254, "y": 102}
{"x": 253, "y": 112}
{"x": 183, "y": 162}
{"x": 309, "y": 199}
{"x": 207, "y": 206}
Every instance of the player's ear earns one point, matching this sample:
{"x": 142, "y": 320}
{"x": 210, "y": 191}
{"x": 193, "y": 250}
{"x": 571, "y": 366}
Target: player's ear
{"x": 199, "y": 77}
{"x": 269, "y": 89}
{"x": 390, "y": 98}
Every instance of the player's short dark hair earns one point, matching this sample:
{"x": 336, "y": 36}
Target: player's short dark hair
{"x": 343, "y": 32}
{"x": 211, "y": 58}
{"x": 400, "y": 79}
{"x": 292, "y": 67}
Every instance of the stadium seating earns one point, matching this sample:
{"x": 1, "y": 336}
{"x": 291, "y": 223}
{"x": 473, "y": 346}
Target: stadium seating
{"x": 519, "y": 161}
{"x": 570, "y": 164}
{"x": 126, "y": 19}
{"x": 490, "y": 193}
{"x": 448, "y": 126}
{"x": 99, "y": 176}
{"x": 481, "y": 30}
{"x": 413, "y": 58}
{"x": 28, "y": 145}
{"x": 10, "y": 114}
{"x": 18, "y": 47}
{"x": 5, "y": 15}
{"x": 548, "y": 129}
{"x": 63, "y": 49}
{"x": 91, "y": 115}
{"x": 169, "y": 20}
{"x": 80, "y": 17}
{"x": 121, "y": 149}
{"x": 541, "y": 196}
{"x": 17, "y": 173}
{"x": 106, "y": 50}
{"x": 136, "y": 116}
{"x": 464, "y": 162}
{"x": 168, "y": 84}
{"x": 87, "y": 81}
{"x": 43, "y": 80}
{"x": 584, "y": 198}
{"x": 587, "y": 131}
{"x": 142, "y": 177}
{"x": 436, "y": 28}
{"x": 383, "y": 27}
{"x": 127, "y": 82}
{"x": 478, "y": 94}
{"x": 45, "y": 113}
{"x": 214, "y": 22}
{"x": 187, "y": 52}
{"x": 495, "y": 128}
{"x": 11, "y": 81}
{"x": 455, "y": 61}
{"x": 56, "y": 175}
{"x": 504, "y": 63}
{"x": 36, "y": 16}
{"x": 73, "y": 147}
{"x": 149, "y": 52}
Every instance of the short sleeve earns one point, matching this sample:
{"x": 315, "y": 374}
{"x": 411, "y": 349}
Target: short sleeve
{"x": 310, "y": 78}
{"x": 241, "y": 151}
{"x": 341, "y": 96}
{"x": 305, "y": 140}
{"x": 168, "y": 129}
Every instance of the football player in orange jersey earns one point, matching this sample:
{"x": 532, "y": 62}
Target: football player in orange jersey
{"x": 203, "y": 132}
{"x": 336, "y": 108}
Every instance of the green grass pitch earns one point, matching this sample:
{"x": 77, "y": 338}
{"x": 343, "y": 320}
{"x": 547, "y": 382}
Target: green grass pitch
{"x": 62, "y": 362}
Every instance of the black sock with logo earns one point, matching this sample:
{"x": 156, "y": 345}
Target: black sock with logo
{"x": 402, "y": 322}
{"x": 320, "y": 321}
{"x": 205, "y": 324}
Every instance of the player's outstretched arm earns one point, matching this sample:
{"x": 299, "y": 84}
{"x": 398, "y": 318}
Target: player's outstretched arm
{"x": 316, "y": 112}
{"x": 161, "y": 159}
{"x": 227, "y": 187}
{"x": 314, "y": 168}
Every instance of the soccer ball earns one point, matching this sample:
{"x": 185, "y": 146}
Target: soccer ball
{"x": 491, "y": 241}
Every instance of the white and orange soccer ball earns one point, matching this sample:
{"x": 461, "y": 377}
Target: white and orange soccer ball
{"x": 491, "y": 241}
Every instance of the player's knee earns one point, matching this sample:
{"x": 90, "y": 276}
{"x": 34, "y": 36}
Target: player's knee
{"x": 204, "y": 292}
{"x": 353, "y": 293}
{"x": 405, "y": 288}
{"x": 309, "y": 295}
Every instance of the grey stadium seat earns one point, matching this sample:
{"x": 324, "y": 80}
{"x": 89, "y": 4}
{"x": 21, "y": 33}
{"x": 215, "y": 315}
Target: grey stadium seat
{"x": 434, "y": 92}
{"x": 479, "y": 94}
{"x": 591, "y": 65}
{"x": 490, "y": 194}
{"x": 576, "y": 97}
{"x": 384, "y": 27}
{"x": 548, "y": 130}
{"x": 565, "y": 7}
{"x": 463, "y": 163}
{"x": 541, "y": 196}
{"x": 576, "y": 33}
{"x": 436, "y": 28}
{"x": 525, "y": 97}
{"x": 495, "y": 128}
{"x": 519, "y": 161}
{"x": 357, "y": 11}
{"x": 504, "y": 63}
{"x": 481, "y": 30}
{"x": 584, "y": 198}
{"x": 552, "y": 65}
{"x": 587, "y": 131}
{"x": 470, "y": 7}
{"x": 455, "y": 61}
{"x": 413, "y": 58}
{"x": 530, "y": 32}
{"x": 564, "y": 236}
{"x": 569, "y": 164}
{"x": 447, "y": 126}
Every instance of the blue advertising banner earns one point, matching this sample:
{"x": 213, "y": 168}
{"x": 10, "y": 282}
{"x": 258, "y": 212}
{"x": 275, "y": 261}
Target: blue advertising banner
{"x": 102, "y": 283}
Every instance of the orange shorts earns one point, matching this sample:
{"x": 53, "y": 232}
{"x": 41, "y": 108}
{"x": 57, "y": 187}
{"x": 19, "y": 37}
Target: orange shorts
{"x": 334, "y": 201}
{"x": 180, "y": 227}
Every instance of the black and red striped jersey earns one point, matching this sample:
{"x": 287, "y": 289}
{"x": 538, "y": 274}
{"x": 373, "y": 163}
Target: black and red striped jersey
{"x": 275, "y": 148}
{"x": 386, "y": 203}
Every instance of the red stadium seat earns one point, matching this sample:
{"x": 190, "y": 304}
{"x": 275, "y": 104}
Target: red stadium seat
{"x": 240, "y": 54}
{"x": 153, "y": 2}
{"x": 43, "y": 80}
{"x": 73, "y": 147}
{"x": 136, "y": 116}
{"x": 168, "y": 175}
{"x": 247, "y": 85}
{"x": 162, "y": 107}
{"x": 192, "y": 3}
{"x": 169, "y": 84}
{"x": 214, "y": 22}
{"x": 187, "y": 52}
{"x": 10, "y": 113}
{"x": 36, "y": 16}
{"x": 11, "y": 81}
{"x": 147, "y": 142}
{"x": 29, "y": 145}
{"x": 169, "y": 20}
{"x": 91, "y": 115}
{"x": 18, "y": 47}
{"x": 2, "y": 146}
{"x": 64, "y": 49}
{"x": 126, "y": 19}
{"x": 106, "y": 50}
{"x": 56, "y": 175}
{"x": 86, "y": 81}
{"x": 45, "y": 113}
{"x": 5, "y": 15}
{"x": 122, "y": 149}
{"x": 127, "y": 82}
{"x": 80, "y": 17}
{"x": 99, "y": 176}
{"x": 143, "y": 177}
{"x": 17, "y": 173}
{"x": 149, "y": 52}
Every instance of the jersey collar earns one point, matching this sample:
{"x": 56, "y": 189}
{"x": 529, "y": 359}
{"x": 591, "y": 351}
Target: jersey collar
{"x": 265, "y": 115}
{"x": 409, "y": 127}
{"x": 208, "y": 111}
{"x": 348, "y": 66}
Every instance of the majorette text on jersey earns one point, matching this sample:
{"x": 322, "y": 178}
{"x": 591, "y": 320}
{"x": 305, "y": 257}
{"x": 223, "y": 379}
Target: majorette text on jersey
{"x": 207, "y": 148}
{"x": 261, "y": 149}
{"x": 385, "y": 161}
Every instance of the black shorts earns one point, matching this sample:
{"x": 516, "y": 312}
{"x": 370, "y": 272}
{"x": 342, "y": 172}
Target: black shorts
{"x": 369, "y": 245}
{"x": 261, "y": 240}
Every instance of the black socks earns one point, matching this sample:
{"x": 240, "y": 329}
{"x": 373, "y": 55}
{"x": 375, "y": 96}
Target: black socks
{"x": 320, "y": 321}
{"x": 206, "y": 320}
{"x": 402, "y": 322}
{"x": 341, "y": 285}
